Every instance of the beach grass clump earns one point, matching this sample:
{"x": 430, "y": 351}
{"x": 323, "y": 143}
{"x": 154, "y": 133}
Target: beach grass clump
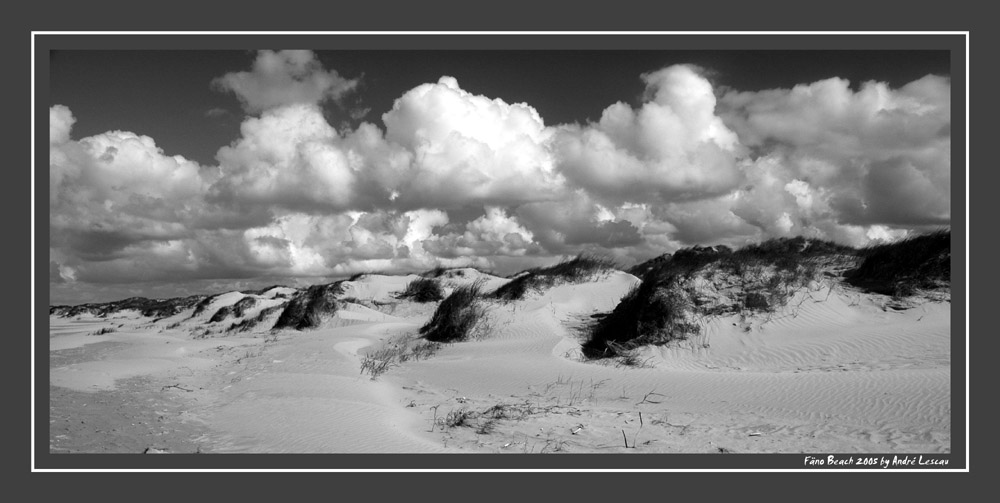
{"x": 456, "y": 316}
{"x": 675, "y": 290}
{"x": 396, "y": 351}
{"x": 581, "y": 267}
{"x": 650, "y": 313}
{"x": 308, "y": 308}
{"x": 422, "y": 290}
{"x": 900, "y": 269}
{"x": 235, "y": 310}
{"x": 251, "y": 323}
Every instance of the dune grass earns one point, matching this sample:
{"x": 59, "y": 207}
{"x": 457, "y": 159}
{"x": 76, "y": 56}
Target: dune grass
{"x": 580, "y": 267}
{"x": 761, "y": 278}
{"x": 649, "y": 313}
{"x": 307, "y": 309}
{"x": 149, "y": 308}
{"x": 236, "y": 310}
{"x": 901, "y": 268}
{"x": 250, "y": 323}
{"x": 758, "y": 278}
{"x": 396, "y": 351}
{"x": 456, "y": 316}
{"x": 422, "y": 290}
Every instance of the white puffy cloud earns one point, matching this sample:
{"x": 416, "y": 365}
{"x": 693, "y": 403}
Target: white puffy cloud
{"x": 443, "y": 148}
{"x": 882, "y": 154}
{"x": 284, "y": 78}
{"x": 61, "y": 121}
{"x": 121, "y": 208}
{"x": 460, "y": 179}
{"x": 290, "y": 156}
{"x": 470, "y": 149}
{"x": 494, "y": 234}
{"x": 672, "y": 147}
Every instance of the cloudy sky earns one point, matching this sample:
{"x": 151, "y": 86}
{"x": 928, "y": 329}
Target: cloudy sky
{"x": 182, "y": 172}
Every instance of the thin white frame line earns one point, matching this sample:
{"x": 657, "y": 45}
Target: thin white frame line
{"x": 31, "y": 441}
{"x": 968, "y": 161}
{"x": 965, "y": 33}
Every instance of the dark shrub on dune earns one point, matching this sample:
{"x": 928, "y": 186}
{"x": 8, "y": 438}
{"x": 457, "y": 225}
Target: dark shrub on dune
{"x": 203, "y": 305}
{"x": 576, "y": 269}
{"x": 306, "y": 309}
{"x": 236, "y": 310}
{"x": 245, "y": 303}
{"x": 437, "y": 272}
{"x": 422, "y": 290}
{"x": 250, "y": 323}
{"x": 901, "y": 268}
{"x": 262, "y": 291}
{"x": 150, "y": 308}
{"x": 660, "y": 308}
{"x": 221, "y": 314}
{"x": 651, "y": 313}
{"x": 457, "y": 315}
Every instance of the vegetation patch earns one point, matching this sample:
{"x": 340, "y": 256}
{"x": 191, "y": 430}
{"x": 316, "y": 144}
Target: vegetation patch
{"x": 236, "y": 310}
{"x": 251, "y": 323}
{"x": 150, "y": 308}
{"x": 902, "y": 268}
{"x": 677, "y": 290}
{"x": 456, "y": 316}
{"x": 422, "y": 290}
{"x": 307, "y": 308}
{"x": 262, "y": 291}
{"x": 396, "y": 351}
{"x": 579, "y": 268}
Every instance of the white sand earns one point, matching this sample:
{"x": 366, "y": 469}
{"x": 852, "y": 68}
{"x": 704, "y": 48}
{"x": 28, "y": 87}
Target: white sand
{"x": 833, "y": 372}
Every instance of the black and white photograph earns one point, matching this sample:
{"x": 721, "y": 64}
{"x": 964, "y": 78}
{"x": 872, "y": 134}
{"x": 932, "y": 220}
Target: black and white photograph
{"x": 520, "y": 253}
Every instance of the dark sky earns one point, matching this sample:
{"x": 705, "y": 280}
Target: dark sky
{"x": 166, "y": 94}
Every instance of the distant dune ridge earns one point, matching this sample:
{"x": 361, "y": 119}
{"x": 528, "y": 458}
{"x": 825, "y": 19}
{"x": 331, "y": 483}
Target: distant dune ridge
{"x": 790, "y": 345}
{"x": 674, "y": 290}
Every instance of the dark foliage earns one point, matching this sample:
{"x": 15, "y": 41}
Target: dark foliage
{"x": 250, "y": 323}
{"x": 575, "y": 269}
{"x": 456, "y": 316}
{"x": 437, "y": 272}
{"x": 262, "y": 291}
{"x": 901, "y": 268}
{"x": 648, "y": 314}
{"x": 221, "y": 314}
{"x": 422, "y": 290}
{"x": 236, "y": 310}
{"x": 245, "y": 303}
{"x": 306, "y": 309}
{"x": 657, "y": 310}
{"x": 150, "y": 308}
{"x": 202, "y": 305}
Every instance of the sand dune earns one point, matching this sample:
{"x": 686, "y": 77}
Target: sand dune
{"x": 833, "y": 371}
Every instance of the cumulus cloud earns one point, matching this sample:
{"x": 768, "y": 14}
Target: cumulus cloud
{"x": 468, "y": 148}
{"x": 673, "y": 147}
{"x": 284, "y": 78}
{"x": 458, "y": 179}
{"x": 61, "y": 121}
{"x": 494, "y": 234}
{"x": 882, "y": 154}
{"x": 119, "y": 205}
{"x": 288, "y": 156}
